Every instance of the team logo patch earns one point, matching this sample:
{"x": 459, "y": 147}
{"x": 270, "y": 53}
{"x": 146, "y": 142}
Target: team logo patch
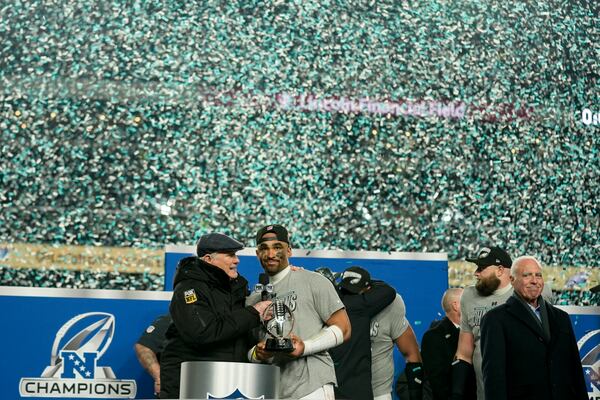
{"x": 190, "y": 296}
{"x": 484, "y": 252}
{"x": 354, "y": 277}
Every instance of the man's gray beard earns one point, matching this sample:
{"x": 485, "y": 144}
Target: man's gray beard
{"x": 486, "y": 287}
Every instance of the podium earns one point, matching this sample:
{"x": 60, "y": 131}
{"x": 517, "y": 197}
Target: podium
{"x": 228, "y": 380}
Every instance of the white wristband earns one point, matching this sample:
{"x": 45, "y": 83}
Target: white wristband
{"x": 327, "y": 338}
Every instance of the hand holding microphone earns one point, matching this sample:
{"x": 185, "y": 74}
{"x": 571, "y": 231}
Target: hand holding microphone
{"x": 266, "y": 294}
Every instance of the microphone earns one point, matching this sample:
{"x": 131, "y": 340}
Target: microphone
{"x": 279, "y": 311}
{"x": 267, "y": 288}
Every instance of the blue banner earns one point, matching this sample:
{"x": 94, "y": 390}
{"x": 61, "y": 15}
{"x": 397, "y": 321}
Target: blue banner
{"x": 75, "y": 343}
{"x": 586, "y": 324}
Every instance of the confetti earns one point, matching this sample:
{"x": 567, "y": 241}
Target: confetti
{"x": 416, "y": 126}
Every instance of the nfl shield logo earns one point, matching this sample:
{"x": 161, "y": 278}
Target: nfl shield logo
{"x": 235, "y": 395}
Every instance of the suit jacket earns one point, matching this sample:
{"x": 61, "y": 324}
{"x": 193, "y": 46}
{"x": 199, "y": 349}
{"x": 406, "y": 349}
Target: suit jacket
{"x": 520, "y": 362}
{"x": 438, "y": 347}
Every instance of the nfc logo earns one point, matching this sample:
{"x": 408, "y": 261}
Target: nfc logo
{"x": 73, "y": 371}
{"x": 72, "y": 363}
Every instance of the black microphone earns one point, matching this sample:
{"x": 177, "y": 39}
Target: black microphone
{"x": 267, "y": 292}
{"x": 279, "y": 315}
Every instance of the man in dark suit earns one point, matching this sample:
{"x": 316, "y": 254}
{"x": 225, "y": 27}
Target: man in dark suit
{"x": 528, "y": 346}
{"x": 438, "y": 347}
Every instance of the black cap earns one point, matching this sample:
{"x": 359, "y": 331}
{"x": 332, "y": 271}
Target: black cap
{"x": 355, "y": 279}
{"x": 217, "y": 243}
{"x": 280, "y": 232}
{"x": 491, "y": 256}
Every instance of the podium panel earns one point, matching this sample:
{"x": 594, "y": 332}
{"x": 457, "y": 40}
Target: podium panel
{"x": 228, "y": 380}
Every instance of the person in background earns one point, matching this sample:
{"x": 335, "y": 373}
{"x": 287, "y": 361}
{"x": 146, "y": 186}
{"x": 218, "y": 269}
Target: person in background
{"x": 210, "y": 319}
{"x": 492, "y": 288}
{"x": 321, "y": 320}
{"x": 438, "y": 347}
{"x": 528, "y": 346}
{"x": 149, "y": 347}
{"x": 363, "y": 299}
{"x": 388, "y": 328}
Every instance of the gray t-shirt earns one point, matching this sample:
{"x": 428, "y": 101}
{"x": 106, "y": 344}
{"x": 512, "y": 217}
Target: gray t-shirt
{"x": 386, "y": 327}
{"x": 473, "y": 307}
{"x": 313, "y": 300}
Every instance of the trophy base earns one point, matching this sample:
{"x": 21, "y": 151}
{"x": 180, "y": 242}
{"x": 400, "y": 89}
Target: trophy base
{"x": 280, "y": 345}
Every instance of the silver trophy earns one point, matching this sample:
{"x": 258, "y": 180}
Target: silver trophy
{"x": 279, "y": 327}
{"x": 277, "y": 319}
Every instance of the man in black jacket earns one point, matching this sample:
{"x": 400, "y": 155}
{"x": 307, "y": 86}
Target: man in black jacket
{"x": 210, "y": 321}
{"x": 528, "y": 346}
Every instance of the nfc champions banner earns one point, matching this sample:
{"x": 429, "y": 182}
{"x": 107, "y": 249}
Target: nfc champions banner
{"x": 68, "y": 343}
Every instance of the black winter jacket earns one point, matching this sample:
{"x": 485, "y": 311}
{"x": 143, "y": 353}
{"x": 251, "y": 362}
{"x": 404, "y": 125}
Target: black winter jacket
{"x": 210, "y": 321}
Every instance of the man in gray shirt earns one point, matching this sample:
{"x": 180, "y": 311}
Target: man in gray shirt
{"x": 391, "y": 327}
{"x": 321, "y": 321}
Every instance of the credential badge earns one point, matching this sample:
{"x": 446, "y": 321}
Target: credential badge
{"x": 190, "y": 296}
